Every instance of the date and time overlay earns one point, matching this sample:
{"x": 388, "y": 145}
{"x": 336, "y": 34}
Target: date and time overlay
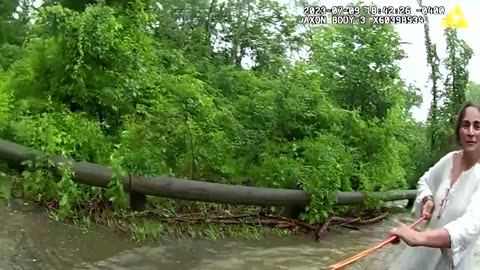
{"x": 324, "y": 15}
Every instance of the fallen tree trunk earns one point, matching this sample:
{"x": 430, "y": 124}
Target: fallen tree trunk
{"x": 169, "y": 187}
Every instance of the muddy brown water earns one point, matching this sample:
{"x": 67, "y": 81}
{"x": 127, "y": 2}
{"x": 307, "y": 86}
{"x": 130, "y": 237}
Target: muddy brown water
{"x": 29, "y": 240}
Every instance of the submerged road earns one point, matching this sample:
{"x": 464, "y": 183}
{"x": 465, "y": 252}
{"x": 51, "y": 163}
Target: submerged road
{"x": 29, "y": 240}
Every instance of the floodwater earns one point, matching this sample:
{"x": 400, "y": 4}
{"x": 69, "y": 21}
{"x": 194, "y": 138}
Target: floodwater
{"x": 30, "y": 241}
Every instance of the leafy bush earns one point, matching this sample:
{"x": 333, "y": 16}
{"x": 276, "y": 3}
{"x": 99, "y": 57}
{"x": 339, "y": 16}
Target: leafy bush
{"x": 147, "y": 89}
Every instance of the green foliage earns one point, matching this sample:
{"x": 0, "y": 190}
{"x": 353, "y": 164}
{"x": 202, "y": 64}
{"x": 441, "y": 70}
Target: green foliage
{"x": 154, "y": 89}
{"x": 6, "y": 99}
{"x": 473, "y": 92}
{"x": 447, "y": 102}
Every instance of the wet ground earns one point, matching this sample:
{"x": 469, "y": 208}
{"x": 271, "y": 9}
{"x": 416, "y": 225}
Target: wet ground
{"x": 29, "y": 240}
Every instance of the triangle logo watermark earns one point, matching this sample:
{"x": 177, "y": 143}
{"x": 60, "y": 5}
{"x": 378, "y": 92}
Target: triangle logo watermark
{"x": 455, "y": 19}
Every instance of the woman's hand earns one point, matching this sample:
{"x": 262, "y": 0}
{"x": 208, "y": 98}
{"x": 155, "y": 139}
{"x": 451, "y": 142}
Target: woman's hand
{"x": 407, "y": 235}
{"x": 428, "y": 206}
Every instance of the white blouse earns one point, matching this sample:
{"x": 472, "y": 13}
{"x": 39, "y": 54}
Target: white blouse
{"x": 460, "y": 217}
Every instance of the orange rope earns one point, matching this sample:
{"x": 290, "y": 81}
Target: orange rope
{"x": 353, "y": 259}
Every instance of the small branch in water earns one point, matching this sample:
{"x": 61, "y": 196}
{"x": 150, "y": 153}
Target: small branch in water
{"x": 320, "y": 232}
{"x": 347, "y": 225}
{"x": 373, "y": 220}
{"x": 359, "y": 221}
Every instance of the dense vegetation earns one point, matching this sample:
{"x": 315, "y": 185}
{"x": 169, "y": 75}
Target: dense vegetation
{"x": 222, "y": 91}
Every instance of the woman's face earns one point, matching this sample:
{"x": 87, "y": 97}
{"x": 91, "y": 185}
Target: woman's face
{"x": 470, "y": 129}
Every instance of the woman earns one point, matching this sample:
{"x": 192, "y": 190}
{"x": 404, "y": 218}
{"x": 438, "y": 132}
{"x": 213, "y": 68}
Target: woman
{"x": 449, "y": 194}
